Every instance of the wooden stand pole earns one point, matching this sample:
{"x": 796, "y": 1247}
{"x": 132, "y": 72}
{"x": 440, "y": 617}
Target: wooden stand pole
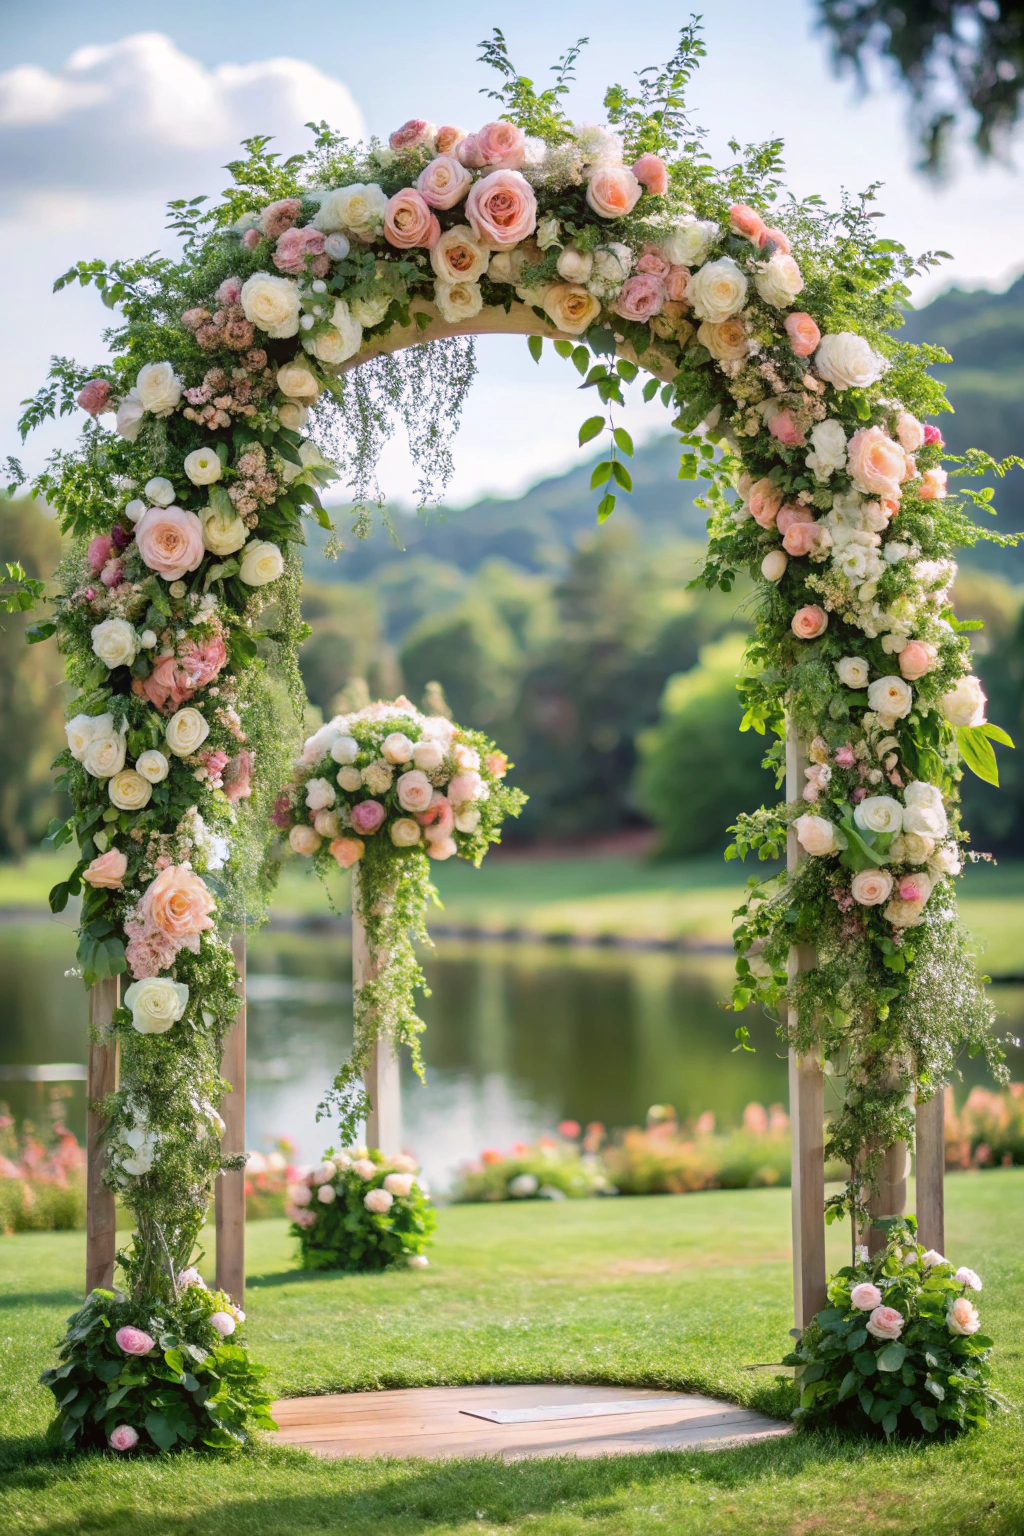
{"x": 100, "y": 1213}
{"x": 381, "y": 1079}
{"x": 930, "y": 1172}
{"x": 229, "y": 1190}
{"x": 806, "y": 1114}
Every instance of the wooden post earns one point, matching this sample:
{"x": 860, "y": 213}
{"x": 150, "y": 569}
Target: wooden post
{"x": 100, "y": 1212}
{"x": 806, "y": 1112}
{"x": 890, "y": 1198}
{"x": 930, "y": 1172}
{"x": 381, "y": 1080}
{"x": 229, "y": 1190}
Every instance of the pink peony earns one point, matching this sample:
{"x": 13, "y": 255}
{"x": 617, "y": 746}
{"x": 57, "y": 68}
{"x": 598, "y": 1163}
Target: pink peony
{"x": 302, "y": 250}
{"x": 100, "y": 550}
{"x": 238, "y": 776}
{"x": 876, "y": 463}
{"x": 640, "y": 297}
{"x": 148, "y": 954}
{"x": 765, "y": 501}
{"x": 409, "y": 220}
{"x": 178, "y": 904}
{"x": 223, "y": 1322}
{"x": 349, "y": 850}
{"x": 499, "y": 146}
{"x": 170, "y": 541}
{"x": 809, "y": 622}
{"x": 803, "y": 538}
{"x": 502, "y": 210}
{"x": 281, "y": 815}
{"x": 134, "y": 1342}
{"x": 612, "y": 191}
{"x": 933, "y": 436}
{"x": 652, "y": 172}
{"x": 107, "y": 870}
{"x": 277, "y": 217}
{"x": 746, "y": 222}
{"x": 962, "y": 1317}
{"x": 776, "y": 238}
{"x": 783, "y": 427}
{"x": 94, "y": 396}
{"x": 412, "y": 134}
{"x": 230, "y": 291}
{"x": 444, "y": 182}
{"x": 803, "y": 333}
{"x": 917, "y": 658}
{"x": 123, "y": 1438}
{"x": 934, "y": 484}
{"x": 866, "y": 1297}
{"x": 677, "y": 284}
{"x": 793, "y": 512}
{"x": 367, "y": 816}
{"x": 885, "y": 1323}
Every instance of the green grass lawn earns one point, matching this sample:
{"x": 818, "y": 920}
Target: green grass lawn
{"x": 678, "y": 1292}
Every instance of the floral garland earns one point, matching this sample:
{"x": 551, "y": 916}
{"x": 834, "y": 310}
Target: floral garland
{"x": 382, "y": 791}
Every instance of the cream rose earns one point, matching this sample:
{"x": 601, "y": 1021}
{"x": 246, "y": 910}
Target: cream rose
{"x": 773, "y": 566}
{"x": 104, "y": 754}
{"x": 358, "y": 208}
{"x": 159, "y": 491}
{"x": 203, "y": 466}
{"x": 892, "y": 697}
{"x": 337, "y": 341}
{"x": 575, "y": 266}
{"x": 816, "y": 835}
{"x": 571, "y": 307}
{"x": 927, "y": 822}
{"x": 414, "y": 790}
{"x": 129, "y": 790}
{"x": 304, "y": 840}
{"x": 320, "y": 794}
{"x": 344, "y": 749}
{"x": 153, "y": 765}
{"x": 378, "y": 777}
{"x": 224, "y": 532}
{"x": 780, "y": 281}
{"x": 428, "y": 755}
{"x": 879, "y": 813}
{"x": 83, "y": 729}
{"x": 292, "y": 415}
{"x": 853, "y": 672}
{"x": 186, "y": 731}
{"x": 458, "y": 301}
{"x": 297, "y": 381}
{"x": 962, "y": 1317}
{"x": 115, "y": 642}
{"x": 459, "y": 257}
{"x": 405, "y": 833}
{"x": 272, "y": 304}
{"x": 726, "y": 340}
{"x": 128, "y": 422}
{"x": 397, "y": 747}
{"x": 846, "y": 361}
{"x": 467, "y": 819}
{"x": 718, "y": 291}
{"x": 964, "y": 705}
{"x": 350, "y": 779}
{"x": 156, "y": 1004}
{"x": 260, "y": 564}
{"x": 158, "y": 388}
{"x": 871, "y": 887}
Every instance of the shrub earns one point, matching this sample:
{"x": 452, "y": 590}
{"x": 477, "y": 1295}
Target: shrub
{"x": 548, "y": 1170}
{"x": 361, "y": 1211}
{"x": 989, "y": 1130}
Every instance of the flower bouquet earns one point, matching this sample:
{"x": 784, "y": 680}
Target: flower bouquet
{"x": 360, "y": 1210}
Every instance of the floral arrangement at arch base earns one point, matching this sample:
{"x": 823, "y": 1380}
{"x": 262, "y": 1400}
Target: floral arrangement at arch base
{"x": 361, "y": 1211}
{"x": 382, "y": 791}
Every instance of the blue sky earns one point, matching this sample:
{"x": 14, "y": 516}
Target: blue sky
{"x": 90, "y": 153}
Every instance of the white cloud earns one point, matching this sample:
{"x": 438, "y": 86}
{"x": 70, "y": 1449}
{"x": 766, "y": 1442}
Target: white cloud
{"x": 140, "y": 114}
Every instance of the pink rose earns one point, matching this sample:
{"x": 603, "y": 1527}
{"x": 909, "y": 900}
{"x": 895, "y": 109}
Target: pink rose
{"x": 653, "y": 261}
{"x": 500, "y": 145}
{"x": 367, "y": 816}
{"x": 809, "y": 622}
{"x": 444, "y": 848}
{"x": 885, "y": 1323}
{"x": 107, "y": 870}
{"x": 652, "y": 172}
{"x": 94, "y": 396}
{"x": 968, "y": 1277}
{"x": 466, "y": 149}
{"x": 134, "y": 1342}
{"x": 223, "y": 1322}
{"x": 112, "y": 574}
{"x": 251, "y": 239}
{"x": 302, "y": 250}
{"x": 962, "y": 1317}
{"x": 502, "y": 210}
{"x": 802, "y": 538}
{"x": 230, "y": 291}
{"x": 277, "y": 217}
{"x": 845, "y": 757}
{"x": 414, "y": 790}
{"x": 170, "y": 541}
{"x": 934, "y": 485}
{"x": 238, "y": 776}
{"x": 765, "y": 501}
{"x": 178, "y": 904}
{"x": 444, "y": 182}
{"x": 167, "y": 687}
{"x": 677, "y": 284}
{"x": 409, "y": 220}
{"x": 439, "y": 817}
{"x": 100, "y": 550}
{"x": 776, "y": 238}
{"x": 793, "y": 512}
{"x": 875, "y": 462}
{"x": 744, "y": 221}
{"x": 866, "y": 1297}
{"x": 909, "y": 431}
{"x": 448, "y": 138}
{"x": 917, "y": 658}
{"x": 412, "y": 134}
{"x": 147, "y": 954}
{"x": 612, "y": 191}
{"x": 123, "y": 1438}
{"x": 803, "y": 333}
{"x": 349, "y": 850}
{"x": 465, "y": 787}
{"x": 914, "y": 888}
{"x": 640, "y": 297}
{"x": 783, "y": 427}
{"x": 933, "y": 436}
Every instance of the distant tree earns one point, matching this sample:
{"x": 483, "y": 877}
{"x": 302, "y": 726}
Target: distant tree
{"x": 345, "y": 643}
{"x": 473, "y": 654}
{"x": 957, "y": 58}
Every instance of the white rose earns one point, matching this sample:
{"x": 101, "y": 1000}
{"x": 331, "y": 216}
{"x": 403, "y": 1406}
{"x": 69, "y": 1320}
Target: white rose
{"x": 964, "y": 705}
{"x": 816, "y": 835}
{"x": 130, "y": 412}
{"x": 320, "y": 794}
{"x": 84, "y": 729}
{"x": 891, "y": 696}
{"x": 224, "y": 532}
{"x": 575, "y": 266}
{"x": 156, "y": 1004}
{"x": 399, "y": 1184}
{"x": 689, "y": 243}
{"x": 158, "y": 388}
{"x": 414, "y": 790}
{"x": 304, "y": 840}
{"x": 467, "y": 819}
{"x": 945, "y": 861}
{"x": 718, "y": 290}
{"x": 405, "y": 833}
{"x": 828, "y": 442}
{"x": 853, "y": 672}
{"x": 917, "y": 847}
{"x": 292, "y": 415}
{"x": 159, "y": 491}
{"x": 134, "y": 510}
{"x": 115, "y": 642}
{"x": 927, "y": 822}
{"x": 104, "y": 755}
{"x": 272, "y": 304}
{"x": 919, "y": 792}
{"x": 458, "y": 301}
{"x": 350, "y": 779}
{"x": 378, "y": 777}
{"x": 297, "y": 382}
{"x": 337, "y": 341}
{"x": 879, "y": 813}
{"x": 846, "y": 361}
{"x": 358, "y": 208}
{"x": 261, "y": 563}
{"x": 397, "y": 747}
{"x": 345, "y": 749}
{"x": 780, "y": 281}
{"x": 327, "y": 823}
{"x": 203, "y": 466}
{"x": 153, "y": 766}
{"x": 571, "y": 307}
{"x": 500, "y": 268}
{"x": 448, "y": 256}
{"x": 428, "y": 755}
{"x": 186, "y": 731}
{"x": 612, "y": 265}
{"x": 871, "y": 887}
{"x": 128, "y": 790}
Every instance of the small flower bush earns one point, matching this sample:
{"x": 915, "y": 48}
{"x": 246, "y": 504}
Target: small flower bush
{"x": 899, "y": 1347}
{"x": 160, "y": 1379}
{"x": 549, "y": 1169}
{"x": 989, "y": 1130}
{"x": 360, "y": 1210}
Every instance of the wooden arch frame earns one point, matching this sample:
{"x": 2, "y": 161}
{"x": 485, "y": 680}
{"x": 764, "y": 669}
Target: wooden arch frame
{"x": 806, "y": 1073}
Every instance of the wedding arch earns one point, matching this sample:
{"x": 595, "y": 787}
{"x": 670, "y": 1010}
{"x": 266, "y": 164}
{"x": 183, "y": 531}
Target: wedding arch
{"x": 321, "y": 297}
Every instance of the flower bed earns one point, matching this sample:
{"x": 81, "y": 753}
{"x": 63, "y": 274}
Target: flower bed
{"x": 989, "y": 1130}
{"x": 42, "y": 1183}
{"x": 359, "y": 1210}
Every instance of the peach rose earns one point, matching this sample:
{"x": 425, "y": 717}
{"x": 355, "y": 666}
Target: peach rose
{"x": 640, "y": 297}
{"x": 793, "y": 512}
{"x": 170, "y": 541}
{"x": 875, "y": 462}
{"x": 776, "y": 238}
{"x": 653, "y": 261}
{"x": 447, "y": 138}
{"x": 885, "y": 1323}
{"x": 348, "y": 850}
{"x": 962, "y": 1317}
{"x": 613, "y": 191}
{"x": 803, "y": 333}
{"x": 444, "y": 182}
{"x": 502, "y": 209}
{"x": 784, "y": 429}
{"x": 934, "y": 485}
{"x": 744, "y": 221}
{"x": 765, "y": 501}
{"x": 458, "y": 256}
{"x": 409, "y": 220}
{"x": 500, "y": 145}
{"x": 107, "y": 870}
{"x": 803, "y": 538}
{"x": 178, "y": 903}
{"x": 917, "y": 658}
{"x": 809, "y": 622}
{"x": 677, "y": 284}
{"x": 870, "y": 888}
{"x": 652, "y": 172}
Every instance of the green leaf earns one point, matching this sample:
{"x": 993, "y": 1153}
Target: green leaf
{"x": 601, "y": 475}
{"x": 996, "y": 733}
{"x": 650, "y": 390}
{"x": 605, "y": 507}
{"x": 978, "y": 753}
{"x": 865, "y": 1362}
{"x": 688, "y": 466}
{"x": 563, "y": 348}
{"x": 580, "y": 359}
{"x": 40, "y": 631}
{"x": 892, "y": 1357}
{"x": 622, "y": 475}
{"x": 536, "y": 346}
{"x": 161, "y": 1430}
{"x": 626, "y": 370}
{"x": 623, "y": 441}
{"x": 590, "y": 428}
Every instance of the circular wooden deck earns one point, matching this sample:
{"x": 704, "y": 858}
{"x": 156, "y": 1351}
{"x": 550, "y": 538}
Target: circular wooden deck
{"x": 515, "y": 1422}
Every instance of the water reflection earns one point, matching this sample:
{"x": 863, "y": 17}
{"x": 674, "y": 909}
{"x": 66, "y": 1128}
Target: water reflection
{"x": 518, "y": 1038}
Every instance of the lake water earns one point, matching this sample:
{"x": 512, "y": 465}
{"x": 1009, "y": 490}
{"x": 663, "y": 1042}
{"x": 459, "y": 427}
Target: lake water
{"x": 518, "y": 1038}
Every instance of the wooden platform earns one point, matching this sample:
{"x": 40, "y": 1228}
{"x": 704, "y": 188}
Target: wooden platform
{"x": 440, "y": 1421}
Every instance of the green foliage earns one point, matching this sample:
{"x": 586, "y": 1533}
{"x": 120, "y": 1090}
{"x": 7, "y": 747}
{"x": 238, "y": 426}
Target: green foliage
{"x": 344, "y": 1234}
{"x": 536, "y": 112}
